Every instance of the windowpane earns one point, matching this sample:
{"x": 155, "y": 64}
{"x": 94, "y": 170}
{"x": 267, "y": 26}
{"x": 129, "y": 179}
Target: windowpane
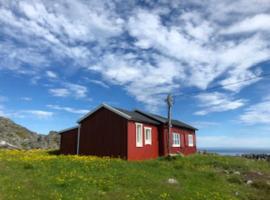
{"x": 176, "y": 140}
{"x": 139, "y": 139}
{"x": 148, "y": 135}
{"x": 190, "y": 140}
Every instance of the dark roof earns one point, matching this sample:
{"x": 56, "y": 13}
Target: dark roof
{"x": 103, "y": 105}
{"x": 67, "y": 129}
{"x": 164, "y": 120}
{"x": 136, "y": 116}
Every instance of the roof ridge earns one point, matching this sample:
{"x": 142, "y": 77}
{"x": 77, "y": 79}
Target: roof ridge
{"x": 104, "y": 105}
{"x": 164, "y": 119}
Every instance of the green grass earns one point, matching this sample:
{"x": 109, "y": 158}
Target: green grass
{"x": 40, "y": 175}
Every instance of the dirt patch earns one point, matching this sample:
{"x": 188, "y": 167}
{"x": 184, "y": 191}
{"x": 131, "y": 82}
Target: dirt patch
{"x": 258, "y": 180}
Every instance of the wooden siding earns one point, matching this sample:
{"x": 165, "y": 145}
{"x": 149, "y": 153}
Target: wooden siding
{"x": 104, "y": 133}
{"x": 146, "y": 151}
{"x": 68, "y": 142}
{"x": 184, "y": 148}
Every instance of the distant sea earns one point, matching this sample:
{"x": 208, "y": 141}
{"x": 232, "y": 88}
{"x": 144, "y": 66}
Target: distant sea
{"x": 235, "y": 151}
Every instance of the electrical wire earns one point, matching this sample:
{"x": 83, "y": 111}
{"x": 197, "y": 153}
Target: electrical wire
{"x": 222, "y": 86}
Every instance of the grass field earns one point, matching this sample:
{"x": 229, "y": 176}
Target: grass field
{"x": 41, "y": 175}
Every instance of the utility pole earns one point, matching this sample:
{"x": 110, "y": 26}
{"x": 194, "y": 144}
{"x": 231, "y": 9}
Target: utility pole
{"x": 169, "y": 101}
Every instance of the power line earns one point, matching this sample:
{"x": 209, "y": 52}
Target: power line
{"x": 222, "y": 86}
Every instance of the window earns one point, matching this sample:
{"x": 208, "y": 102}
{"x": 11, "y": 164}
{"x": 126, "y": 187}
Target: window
{"x": 148, "y": 135}
{"x": 190, "y": 140}
{"x": 176, "y": 140}
{"x": 139, "y": 137}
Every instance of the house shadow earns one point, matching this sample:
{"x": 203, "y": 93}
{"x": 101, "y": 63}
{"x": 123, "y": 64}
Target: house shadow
{"x": 54, "y": 152}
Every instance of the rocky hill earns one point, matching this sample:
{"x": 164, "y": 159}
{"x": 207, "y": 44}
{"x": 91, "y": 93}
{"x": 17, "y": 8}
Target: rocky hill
{"x": 15, "y": 136}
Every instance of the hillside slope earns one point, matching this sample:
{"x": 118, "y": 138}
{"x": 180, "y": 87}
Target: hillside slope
{"x": 196, "y": 177}
{"x": 13, "y": 135}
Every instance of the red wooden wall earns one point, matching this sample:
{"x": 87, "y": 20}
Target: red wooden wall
{"x": 104, "y": 133}
{"x": 147, "y": 151}
{"x": 184, "y": 148}
{"x": 68, "y": 142}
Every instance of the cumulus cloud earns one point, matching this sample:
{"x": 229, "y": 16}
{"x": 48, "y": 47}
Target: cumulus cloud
{"x": 51, "y": 74}
{"x": 147, "y": 50}
{"x": 205, "y": 124}
{"x": 59, "y": 92}
{"x": 68, "y": 109}
{"x": 97, "y": 82}
{"x": 217, "y": 102}
{"x": 69, "y": 90}
{"x": 260, "y": 22}
{"x": 39, "y": 113}
{"x": 258, "y": 113}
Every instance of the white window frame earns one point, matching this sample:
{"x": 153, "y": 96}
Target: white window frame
{"x": 149, "y": 140}
{"x": 176, "y": 136}
{"x": 139, "y": 143}
{"x": 190, "y": 140}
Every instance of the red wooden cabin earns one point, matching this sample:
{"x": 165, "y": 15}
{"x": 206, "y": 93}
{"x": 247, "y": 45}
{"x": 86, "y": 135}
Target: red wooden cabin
{"x": 131, "y": 135}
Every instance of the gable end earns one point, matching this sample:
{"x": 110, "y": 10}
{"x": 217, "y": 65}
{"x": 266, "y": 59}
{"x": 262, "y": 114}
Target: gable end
{"x": 106, "y": 107}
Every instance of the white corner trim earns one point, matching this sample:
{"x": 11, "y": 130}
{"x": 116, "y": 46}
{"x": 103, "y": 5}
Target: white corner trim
{"x": 107, "y": 107}
{"x": 67, "y": 129}
{"x": 78, "y": 140}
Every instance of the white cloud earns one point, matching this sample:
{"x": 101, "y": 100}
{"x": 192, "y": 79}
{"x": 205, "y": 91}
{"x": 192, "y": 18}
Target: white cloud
{"x": 205, "y": 124}
{"x": 79, "y": 91}
{"x": 68, "y": 109}
{"x": 163, "y": 52}
{"x": 147, "y": 83}
{"x": 51, "y": 74}
{"x": 258, "y": 113}
{"x": 39, "y": 113}
{"x": 237, "y": 80}
{"x": 69, "y": 90}
{"x": 26, "y": 98}
{"x": 56, "y": 28}
{"x": 217, "y": 102}
{"x": 59, "y": 92}
{"x": 260, "y": 22}
{"x": 98, "y": 82}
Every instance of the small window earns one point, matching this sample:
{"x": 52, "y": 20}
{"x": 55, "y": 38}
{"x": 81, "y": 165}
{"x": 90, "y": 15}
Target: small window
{"x": 139, "y": 136}
{"x": 190, "y": 140}
{"x": 148, "y": 135}
{"x": 176, "y": 140}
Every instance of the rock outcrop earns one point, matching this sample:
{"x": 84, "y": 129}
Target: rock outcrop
{"x": 14, "y": 136}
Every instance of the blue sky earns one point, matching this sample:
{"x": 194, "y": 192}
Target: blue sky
{"x": 59, "y": 60}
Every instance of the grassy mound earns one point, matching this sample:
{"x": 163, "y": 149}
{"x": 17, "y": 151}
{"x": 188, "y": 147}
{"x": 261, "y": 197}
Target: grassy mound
{"x": 42, "y": 175}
